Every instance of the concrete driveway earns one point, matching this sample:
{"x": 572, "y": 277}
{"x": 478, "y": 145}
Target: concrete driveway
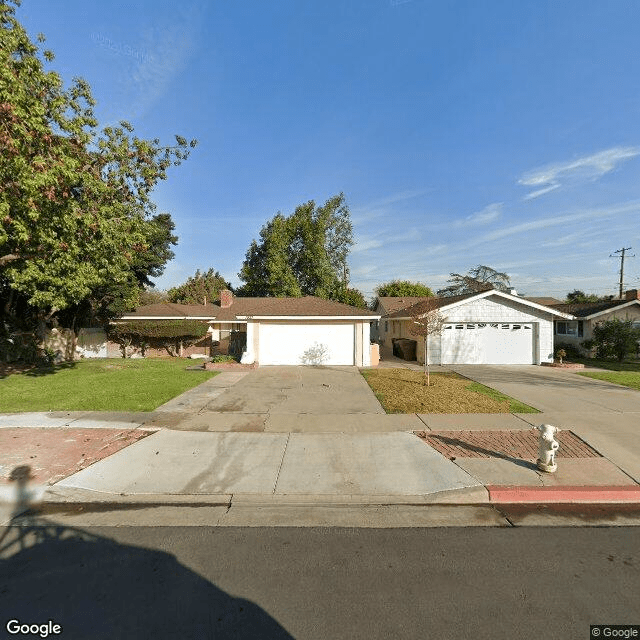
{"x": 605, "y": 415}
{"x": 291, "y": 389}
{"x": 553, "y": 390}
{"x": 286, "y": 399}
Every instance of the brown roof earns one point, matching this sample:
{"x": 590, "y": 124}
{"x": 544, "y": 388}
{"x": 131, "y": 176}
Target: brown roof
{"x": 395, "y": 303}
{"x": 430, "y": 304}
{"x": 585, "y": 309}
{"x": 545, "y": 300}
{"x": 163, "y": 309}
{"x": 306, "y": 306}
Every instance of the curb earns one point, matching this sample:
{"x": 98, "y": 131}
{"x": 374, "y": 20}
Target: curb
{"x": 59, "y": 498}
{"x": 628, "y": 494}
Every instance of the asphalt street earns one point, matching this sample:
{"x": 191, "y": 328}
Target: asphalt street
{"x": 318, "y": 583}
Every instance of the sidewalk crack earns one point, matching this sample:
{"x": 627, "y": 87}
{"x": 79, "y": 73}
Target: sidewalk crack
{"x": 281, "y": 463}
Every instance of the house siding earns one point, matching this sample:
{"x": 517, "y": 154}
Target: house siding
{"x": 501, "y": 310}
{"x": 628, "y": 313}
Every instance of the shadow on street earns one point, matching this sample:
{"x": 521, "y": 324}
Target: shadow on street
{"x": 97, "y": 588}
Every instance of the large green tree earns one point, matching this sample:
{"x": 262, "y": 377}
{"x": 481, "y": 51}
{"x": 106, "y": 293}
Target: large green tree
{"x": 399, "y": 288}
{"x": 199, "y": 288}
{"x": 479, "y": 278}
{"x": 577, "y": 297}
{"x": 76, "y": 215}
{"x": 302, "y": 254}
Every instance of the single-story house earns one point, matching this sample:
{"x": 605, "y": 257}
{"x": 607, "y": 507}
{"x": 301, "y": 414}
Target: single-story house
{"x": 586, "y": 315}
{"x": 305, "y": 330}
{"x": 386, "y": 305}
{"x": 486, "y": 327}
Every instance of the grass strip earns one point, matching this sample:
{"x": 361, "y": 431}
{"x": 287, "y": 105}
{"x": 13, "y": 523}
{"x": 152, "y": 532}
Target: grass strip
{"x": 104, "y": 384}
{"x": 404, "y": 391}
{"x": 515, "y": 406}
{"x": 629, "y": 379}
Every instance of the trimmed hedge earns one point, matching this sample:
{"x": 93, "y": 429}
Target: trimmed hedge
{"x": 139, "y": 329}
{"x": 166, "y": 334}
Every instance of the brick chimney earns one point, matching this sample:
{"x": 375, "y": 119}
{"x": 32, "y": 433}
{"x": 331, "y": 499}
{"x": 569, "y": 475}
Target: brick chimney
{"x": 632, "y": 294}
{"x": 226, "y": 298}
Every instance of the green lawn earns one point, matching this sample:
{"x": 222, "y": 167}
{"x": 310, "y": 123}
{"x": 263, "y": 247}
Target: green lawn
{"x": 103, "y": 384}
{"x": 404, "y": 391}
{"x": 624, "y": 373}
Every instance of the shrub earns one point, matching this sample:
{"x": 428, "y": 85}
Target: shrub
{"x": 167, "y": 334}
{"x": 571, "y": 351}
{"x": 616, "y": 339}
{"x": 223, "y": 358}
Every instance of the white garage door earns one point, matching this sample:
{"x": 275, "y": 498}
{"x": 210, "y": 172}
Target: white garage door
{"x": 306, "y": 344}
{"x": 487, "y": 343}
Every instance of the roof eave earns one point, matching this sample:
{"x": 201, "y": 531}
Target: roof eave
{"x": 300, "y": 317}
{"x": 611, "y": 309}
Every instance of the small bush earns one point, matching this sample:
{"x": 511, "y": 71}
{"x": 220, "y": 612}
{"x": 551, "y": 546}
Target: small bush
{"x": 571, "y": 351}
{"x": 223, "y": 358}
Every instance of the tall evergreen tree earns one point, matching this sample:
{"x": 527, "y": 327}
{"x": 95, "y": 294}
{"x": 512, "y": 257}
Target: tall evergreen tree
{"x": 199, "y": 288}
{"x": 302, "y": 254}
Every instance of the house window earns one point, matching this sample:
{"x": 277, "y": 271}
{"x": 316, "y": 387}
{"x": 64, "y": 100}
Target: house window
{"x": 572, "y": 328}
{"x": 386, "y": 326}
{"x": 459, "y": 326}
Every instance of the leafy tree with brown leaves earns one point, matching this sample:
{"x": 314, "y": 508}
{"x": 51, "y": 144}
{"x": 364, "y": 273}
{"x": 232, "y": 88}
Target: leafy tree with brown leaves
{"x": 426, "y": 320}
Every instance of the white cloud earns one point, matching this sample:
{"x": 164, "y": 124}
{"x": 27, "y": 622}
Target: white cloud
{"x": 383, "y": 206}
{"x": 552, "y": 176}
{"x": 365, "y": 245}
{"x": 490, "y": 213}
{"x": 543, "y": 223}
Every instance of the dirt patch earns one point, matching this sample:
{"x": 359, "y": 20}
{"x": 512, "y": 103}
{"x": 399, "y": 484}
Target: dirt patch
{"x": 564, "y": 365}
{"x": 9, "y": 369}
{"x": 228, "y": 366}
{"x": 404, "y": 391}
{"x": 55, "y": 453}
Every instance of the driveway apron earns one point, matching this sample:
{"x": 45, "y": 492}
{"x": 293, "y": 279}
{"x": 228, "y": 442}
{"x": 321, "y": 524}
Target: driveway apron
{"x": 553, "y": 390}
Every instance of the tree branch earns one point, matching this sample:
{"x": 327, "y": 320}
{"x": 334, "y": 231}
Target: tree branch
{"x": 10, "y": 257}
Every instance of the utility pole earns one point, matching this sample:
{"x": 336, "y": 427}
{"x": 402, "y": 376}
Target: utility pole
{"x": 621, "y": 252}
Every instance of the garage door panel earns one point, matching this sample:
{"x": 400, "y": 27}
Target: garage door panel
{"x": 330, "y": 344}
{"x": 488, "y": 343}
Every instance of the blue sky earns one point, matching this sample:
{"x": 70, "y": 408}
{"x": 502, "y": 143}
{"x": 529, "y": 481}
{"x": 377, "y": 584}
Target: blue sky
{"x": 461, "y": 132}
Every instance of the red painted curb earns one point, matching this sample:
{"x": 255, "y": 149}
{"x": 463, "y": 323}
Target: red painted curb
{"x": 512, "y": 495}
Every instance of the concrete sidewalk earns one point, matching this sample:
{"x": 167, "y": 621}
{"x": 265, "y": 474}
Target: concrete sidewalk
{"x": 216, "y": 459}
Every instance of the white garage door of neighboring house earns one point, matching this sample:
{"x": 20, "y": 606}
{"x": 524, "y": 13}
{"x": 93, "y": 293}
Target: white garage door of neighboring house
{"x": 307, "y": 344}
{"x": 488, "y": 343}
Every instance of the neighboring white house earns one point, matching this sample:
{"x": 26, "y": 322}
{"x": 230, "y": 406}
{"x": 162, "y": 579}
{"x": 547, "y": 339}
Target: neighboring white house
{"x": 488, "y": 327}
{"x": 586, "y": 315}
{"x": 286, "y": 331}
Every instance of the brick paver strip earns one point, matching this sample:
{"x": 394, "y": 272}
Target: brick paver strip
{"x": 503, "y": 443}
{"x": 513, "y": 495}
{"x": 55, "y": 453}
